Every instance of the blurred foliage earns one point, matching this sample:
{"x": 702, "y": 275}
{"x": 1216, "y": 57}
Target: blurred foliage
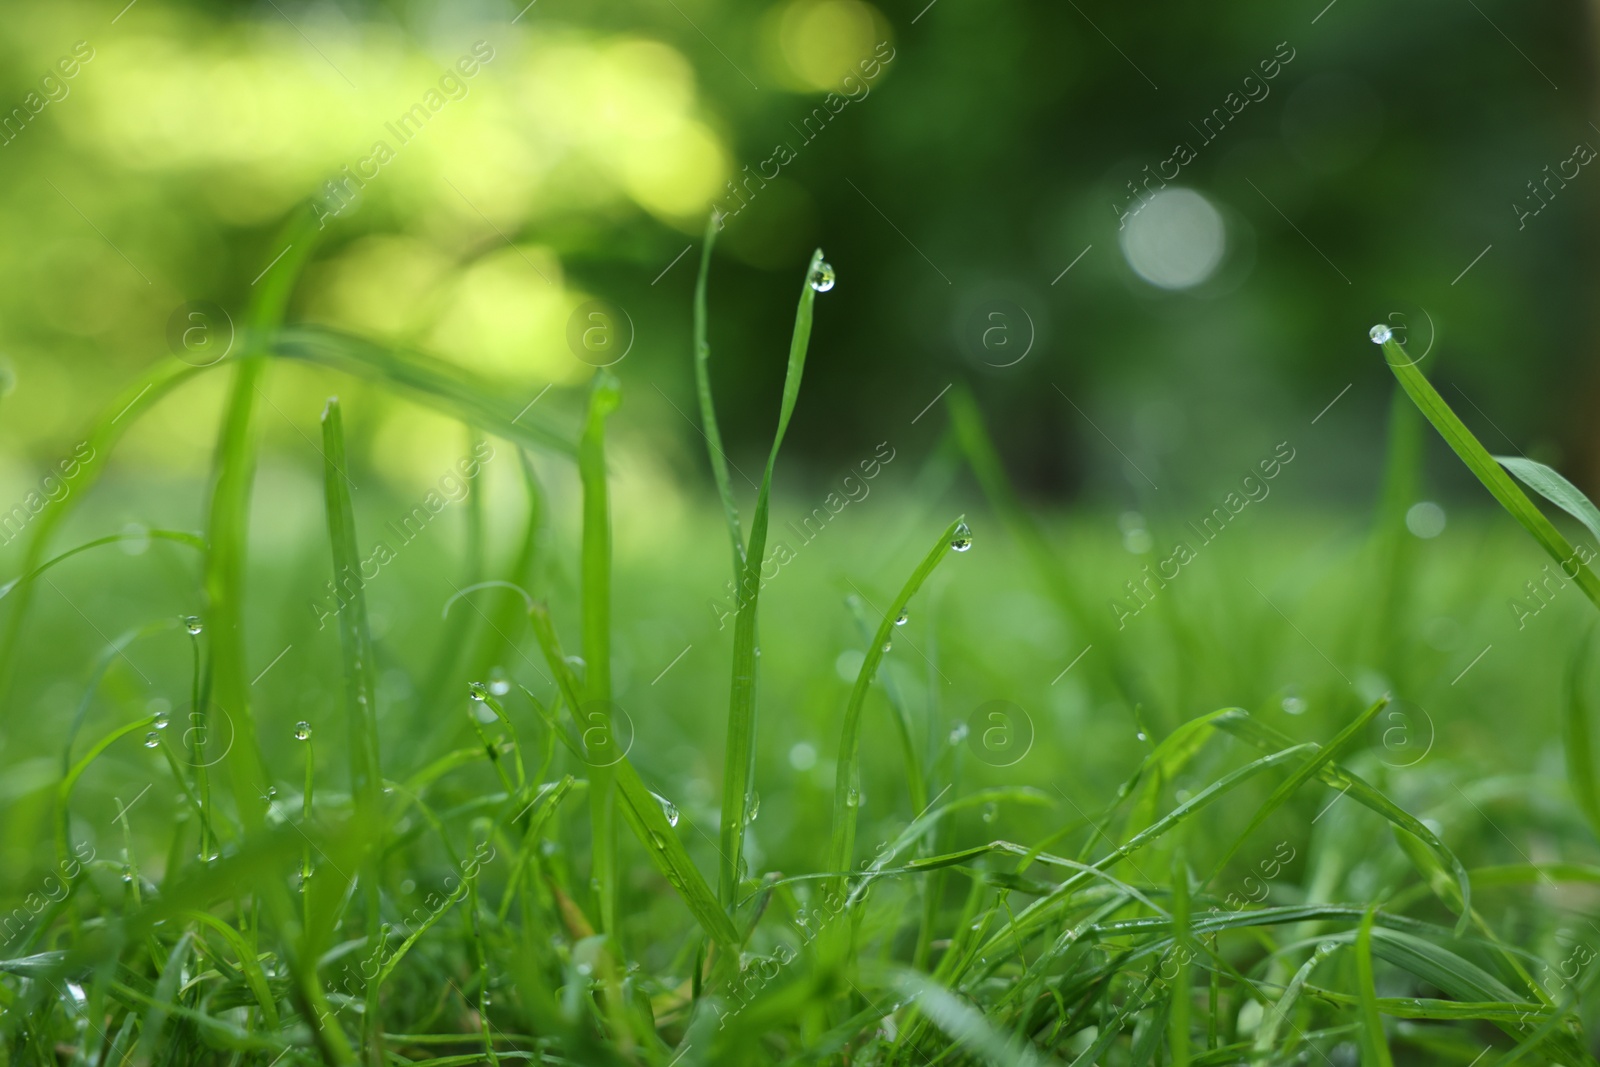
{"x": 991, "y": 146}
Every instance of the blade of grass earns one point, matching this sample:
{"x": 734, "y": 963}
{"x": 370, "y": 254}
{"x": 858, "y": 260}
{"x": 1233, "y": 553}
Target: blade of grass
{"x": 643, "y": 812}
{"x": 847, "y": 779}
{"x": 738, "y": 779}
{"x": 433, "y": 382}
{"x": 604, "y": 396}
{"x": 1324, "y": 755}
{"x": 1489, "y": 472}
{"x": 1178, "y": 1018}
{"x": 1377, "y": 1045}
{"x": 1576, "y": 739}
{"x": 1549, "y": 484}
{"x": 708, "y": 411}
{"x": 102, "y": 437}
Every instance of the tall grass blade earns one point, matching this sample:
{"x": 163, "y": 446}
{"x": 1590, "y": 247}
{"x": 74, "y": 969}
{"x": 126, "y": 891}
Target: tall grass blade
{"x": 1373, "y": 1039}
{"x": 1488, "y": 471}
{"x": 604, "y": 396}
{"x": 738, "y": 783}
{"x": 847, "y": 779}
{"x": 1577, "y": 738}
{"x": 228, "y": 526}
{"x": 708, "y": 410}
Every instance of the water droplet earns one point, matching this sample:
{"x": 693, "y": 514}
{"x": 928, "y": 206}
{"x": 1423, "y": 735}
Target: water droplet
{"x": 754, "y": 811}
{"x": 1140, "y": 735}
{"x": 962, "y": 539}
{"x": 668, "y": 808}
{"x": 887, "y": 645}
{"x": 1294, "y": 705}
{"x": 1380, "y": 333}
{"x": 302, "y": 731}
{"x": 160, "y": 720}
{"x": 958, "y": 733}
{"x": 657, "y": 840}
{"x": 272, "y": 793}
{"x": 192, "y": 624}
{"x": 127, "y": 874}
{"x": 821, "y": 277}
{"x": 477, "y": 690}
{"x": 990, "y": 811}
{"x": 852, "y": 798}
{"x": 499, "y": 687}
{"x": 900, "y": 619}
{"x": 152, "y": 739}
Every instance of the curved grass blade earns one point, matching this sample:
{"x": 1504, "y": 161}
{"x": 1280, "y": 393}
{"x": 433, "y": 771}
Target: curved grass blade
{"x": 121, "y": 413}
{"x": 1244, "y": 726}
{"x": 1182, "y": 945}
{"x": 708, "y": 410}
{"x": 1324, "y": 755}
{"x": 847, "y": 781}
{"x": 1488, "y": 471}
{"x": 433, "y": 382}
{"x": 1549, "y": 484}
{"x": 1272, "y": 1021}
{"x": 738, "y": 779}
{"x": 643, "y": 813}
{"x": 964, "y": 1024}
{"x": 194, "y": 541}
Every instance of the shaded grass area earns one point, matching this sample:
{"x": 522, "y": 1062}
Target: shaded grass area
{"x": 531, "y": 791}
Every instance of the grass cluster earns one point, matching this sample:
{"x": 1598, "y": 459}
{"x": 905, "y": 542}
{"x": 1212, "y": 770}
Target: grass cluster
{"x": 1208, "y": 843}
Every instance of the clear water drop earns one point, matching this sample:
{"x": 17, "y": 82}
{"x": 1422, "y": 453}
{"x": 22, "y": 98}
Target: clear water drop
{"x": 302, "y": 731}
{"x": 160, "y": 720}
{"x": 657, "y": 840}
{"x": 821, "y": 277}
{"x": 887, "y": 645}
{"x": 754, "y": 811}
{"x": 127, "y": 874}
{"x": 477, "y": 690}
{"x": 192, "y": 624}
{"x": 958, "y": 733}
{"x": 962, "y": 539}
{"x": 152, "y": 739}
{"x": 990, "y": 811}
{"x": 1141, "y": 735}
{"x": 668, "y": 808}
{"x": 1294, "y": 705}
{"x": 1380, "y": 333}
{"x": 852, "y": 798}
{"x": 900, "y": 619}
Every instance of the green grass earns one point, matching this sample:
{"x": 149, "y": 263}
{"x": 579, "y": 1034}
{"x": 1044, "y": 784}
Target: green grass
{"x": 488, "y": 849}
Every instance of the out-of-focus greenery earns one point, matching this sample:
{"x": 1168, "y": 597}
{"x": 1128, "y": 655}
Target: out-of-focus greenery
{"x": 992, "y": 145}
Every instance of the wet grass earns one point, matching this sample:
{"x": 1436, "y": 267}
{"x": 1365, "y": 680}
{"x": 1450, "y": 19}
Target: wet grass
{"x": 919, "y": 805}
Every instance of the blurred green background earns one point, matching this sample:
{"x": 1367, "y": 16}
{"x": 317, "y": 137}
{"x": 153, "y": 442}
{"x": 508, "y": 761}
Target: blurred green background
{"x": 992, "y": 148}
